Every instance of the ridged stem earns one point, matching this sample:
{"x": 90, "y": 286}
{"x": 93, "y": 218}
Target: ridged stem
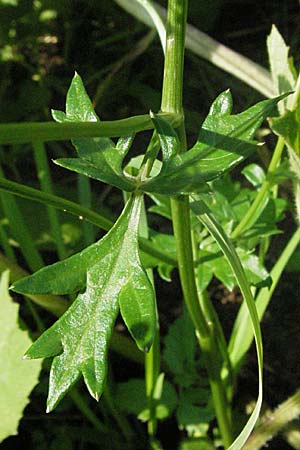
{"x": 172, "y": 103}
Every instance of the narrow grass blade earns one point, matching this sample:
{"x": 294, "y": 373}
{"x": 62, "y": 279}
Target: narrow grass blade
{"x": 156, "y": 19}
{"x": 211, "y": 50}
{"x": 20, "y": 230}
{"x": 242, "y": 333}
{"x": 44, "y": 176}
{"x": 206, "y": 218}
{"x": 79, "y": 211}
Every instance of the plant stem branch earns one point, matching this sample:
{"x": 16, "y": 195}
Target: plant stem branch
{"x": 18, "y": 133}
{"x": 252, "y": 214}
{"x": 172, "y": 102}
{"x": 79, "y": 211}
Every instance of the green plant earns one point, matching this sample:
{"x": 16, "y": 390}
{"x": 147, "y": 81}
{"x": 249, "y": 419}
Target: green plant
{"x": 217, "y": 227}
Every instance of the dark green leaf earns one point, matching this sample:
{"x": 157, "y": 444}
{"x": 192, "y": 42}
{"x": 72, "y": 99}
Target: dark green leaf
{"x": 131, "y": 398}
{"x": 168, "y": 138}
{"x": 98, "y": 157}
{"x": 223, "y": 142}
{"x": 180, "y": 347}
{"x": 105, "y": 175}
{"x": 79, "y": 339}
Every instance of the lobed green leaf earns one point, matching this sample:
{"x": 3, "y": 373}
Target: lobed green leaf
{"x": 98, "y": 156}
{"x": 113, "y": 275}
{"x": 223, "y": 142}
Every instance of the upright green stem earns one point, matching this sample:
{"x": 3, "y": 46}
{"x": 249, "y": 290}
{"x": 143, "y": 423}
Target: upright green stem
{"x": 174, "y": 58}
{"x": 152, "y": 358}
{"x": 172, "y": 103}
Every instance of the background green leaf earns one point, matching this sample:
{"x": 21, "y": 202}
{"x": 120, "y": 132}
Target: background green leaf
{"x": 180, "y": 348}
{"x": 18, "y": 377}
{"x": 282, "y": 75}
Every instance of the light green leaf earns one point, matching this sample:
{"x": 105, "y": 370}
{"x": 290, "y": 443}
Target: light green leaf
{"x": 288, "y": 126}
{"x": 79, "y": 339}
{"x": 18, "y": 377}
{"x": 254, "y": 174}
{"x": 98, "y": 157}
{"x": 224, "y": 141}
{"x": 204, "y": 215}
{"x": 281, "y": 72}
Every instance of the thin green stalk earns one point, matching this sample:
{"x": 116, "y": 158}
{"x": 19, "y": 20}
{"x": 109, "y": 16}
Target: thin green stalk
{"x": 18, "y": 133}
{"x": 181, "y": 227}
{"x": 242, "y": 333}
{"x": 172, "y": 102}
{"x": 152, "y": 358}
{"x": 44, "y": 177}
{"x": 213, "y": 319}
{"x": 83, "y": 213}
{"x": 20, "y": 230}
{"x": 85, "y": 199}
{"x": 4, "y": 242}
{"x": 257, "y": 206}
